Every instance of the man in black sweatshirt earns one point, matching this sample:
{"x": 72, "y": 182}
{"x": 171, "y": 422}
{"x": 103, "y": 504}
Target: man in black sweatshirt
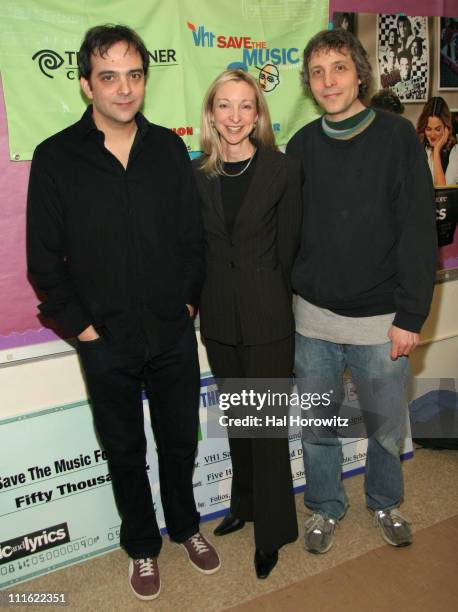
{"x": 364, "y": 278}
{"x": 115, "y": 245}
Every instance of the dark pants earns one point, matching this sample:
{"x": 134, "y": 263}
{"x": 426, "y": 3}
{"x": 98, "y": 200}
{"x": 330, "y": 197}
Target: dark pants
{"x": 172, "y": 380}
{"x": 262, "y": 487}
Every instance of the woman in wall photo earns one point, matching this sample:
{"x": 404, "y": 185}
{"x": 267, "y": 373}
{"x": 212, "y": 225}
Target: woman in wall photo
{"x": 405, "y": 34}
{"x": 434, "y": 129}
{"x": 251, "y": 207}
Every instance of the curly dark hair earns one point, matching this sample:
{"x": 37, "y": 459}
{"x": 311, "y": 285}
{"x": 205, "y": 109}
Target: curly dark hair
{"x": 386, "y": 99}
{"x": 341, "y": 41}
{"x": 100, "y": 38}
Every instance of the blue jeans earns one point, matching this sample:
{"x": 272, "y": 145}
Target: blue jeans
{"x": 380, "y": 385}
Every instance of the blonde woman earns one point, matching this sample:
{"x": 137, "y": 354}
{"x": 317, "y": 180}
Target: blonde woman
{"x": 251, "y": 207}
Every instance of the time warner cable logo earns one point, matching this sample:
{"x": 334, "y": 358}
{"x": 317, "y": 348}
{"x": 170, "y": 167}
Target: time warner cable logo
{"x": 48, "y": 60}
{"x": 31, "y": 543}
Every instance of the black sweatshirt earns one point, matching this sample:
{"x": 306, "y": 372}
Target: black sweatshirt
{"x": 369, "y": 243}
{"x": 121, "y": 249}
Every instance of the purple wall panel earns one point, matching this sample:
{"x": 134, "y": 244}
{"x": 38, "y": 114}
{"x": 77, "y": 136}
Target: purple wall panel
{"x": 17, "y": 298}
{"x": 445, "y": 8}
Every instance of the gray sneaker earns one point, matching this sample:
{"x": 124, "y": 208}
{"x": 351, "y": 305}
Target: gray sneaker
{"x": 394, "y": 527}
{"x": 319, "y": 533}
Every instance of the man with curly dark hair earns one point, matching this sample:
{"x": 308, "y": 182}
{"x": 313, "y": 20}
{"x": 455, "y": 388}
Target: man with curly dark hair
{"x": 386, "y": 99}
{"x": 364, "y": 278}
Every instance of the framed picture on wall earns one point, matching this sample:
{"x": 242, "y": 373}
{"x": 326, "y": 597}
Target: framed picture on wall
{"x": 347, "y": 21}
{"x": 447, "y": 36}
{"x": 403, "y": 56}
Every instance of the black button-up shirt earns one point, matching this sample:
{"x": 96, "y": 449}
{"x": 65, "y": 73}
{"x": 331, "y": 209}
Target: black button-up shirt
{"x": 117, "y": 248}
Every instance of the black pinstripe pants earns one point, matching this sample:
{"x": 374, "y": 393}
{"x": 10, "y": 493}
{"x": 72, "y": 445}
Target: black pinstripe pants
{"x": 262, "y": 487}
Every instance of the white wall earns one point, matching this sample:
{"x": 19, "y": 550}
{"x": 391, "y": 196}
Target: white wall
{"x": 437, "y": 356}
{"x": 45, "y": 383}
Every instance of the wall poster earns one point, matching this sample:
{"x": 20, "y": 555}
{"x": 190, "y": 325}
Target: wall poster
{"x": 403, "y": 56}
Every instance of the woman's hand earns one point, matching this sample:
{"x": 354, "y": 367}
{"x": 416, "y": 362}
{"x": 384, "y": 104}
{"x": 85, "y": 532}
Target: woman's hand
{"x": 439, "y": 174}
{"x": 439, "y": 144}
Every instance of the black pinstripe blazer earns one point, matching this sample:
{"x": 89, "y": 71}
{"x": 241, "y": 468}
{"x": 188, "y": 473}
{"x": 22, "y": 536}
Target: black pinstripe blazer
{"x": 248, "y": 287}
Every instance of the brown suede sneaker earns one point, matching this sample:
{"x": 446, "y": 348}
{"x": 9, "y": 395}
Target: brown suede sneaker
{"x": 202, "y": 554}
{"x": 144, "y": 578}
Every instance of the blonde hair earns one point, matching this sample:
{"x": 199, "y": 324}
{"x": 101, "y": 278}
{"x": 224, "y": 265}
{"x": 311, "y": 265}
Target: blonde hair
{"x": 262, "y": 134}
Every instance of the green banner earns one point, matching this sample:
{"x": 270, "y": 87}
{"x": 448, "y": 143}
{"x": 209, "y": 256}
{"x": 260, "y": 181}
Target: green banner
{"x": 189, "y": 41}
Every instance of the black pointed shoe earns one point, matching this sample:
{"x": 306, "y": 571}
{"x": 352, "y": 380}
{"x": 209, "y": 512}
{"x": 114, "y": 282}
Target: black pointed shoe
{"x": 229, "y": 524}
{"x": 264, "y": 563}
